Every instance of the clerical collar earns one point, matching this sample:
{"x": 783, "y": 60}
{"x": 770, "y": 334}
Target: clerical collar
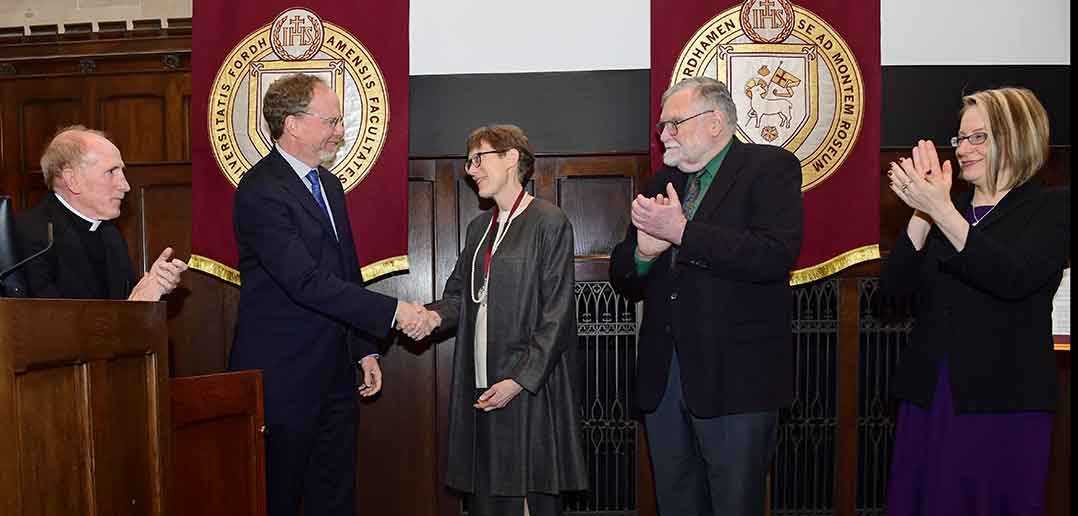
{"x": 300, "y": 168}
{"x": 94, "y": 223}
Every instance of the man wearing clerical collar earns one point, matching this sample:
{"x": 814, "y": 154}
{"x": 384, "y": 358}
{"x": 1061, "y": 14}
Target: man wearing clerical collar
{"x": 89, "y": 258}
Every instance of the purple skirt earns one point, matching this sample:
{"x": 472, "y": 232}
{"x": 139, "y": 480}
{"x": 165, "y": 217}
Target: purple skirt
{"x": 983, "y": 464}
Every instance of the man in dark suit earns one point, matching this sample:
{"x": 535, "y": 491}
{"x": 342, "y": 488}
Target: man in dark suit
{"x": 89, "y": 258}
{"x": 710, "y": 249}
{"x": 304, "y": 316}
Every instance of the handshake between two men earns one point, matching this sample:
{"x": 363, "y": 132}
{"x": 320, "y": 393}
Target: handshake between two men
{"x": 415, "y": 321}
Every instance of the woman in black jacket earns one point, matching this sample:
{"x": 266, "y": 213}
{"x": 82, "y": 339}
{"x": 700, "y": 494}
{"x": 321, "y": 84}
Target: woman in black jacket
{"x": 977, "y": 384}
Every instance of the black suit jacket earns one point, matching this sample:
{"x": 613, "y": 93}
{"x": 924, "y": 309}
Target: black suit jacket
{"x": 65, "y": 271}
{"x": 725, "y": 304}
{"x": 986, "y": 310}
{"x": 302, "y": 300}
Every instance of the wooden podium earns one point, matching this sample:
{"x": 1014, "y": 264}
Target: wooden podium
{"x": 83, "y": 429}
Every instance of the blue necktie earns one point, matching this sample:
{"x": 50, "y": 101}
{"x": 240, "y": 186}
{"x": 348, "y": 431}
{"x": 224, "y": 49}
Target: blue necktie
{"x": 316, "y": 190}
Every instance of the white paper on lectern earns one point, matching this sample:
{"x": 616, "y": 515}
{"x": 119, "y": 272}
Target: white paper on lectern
{"x": 1061, "y": 306}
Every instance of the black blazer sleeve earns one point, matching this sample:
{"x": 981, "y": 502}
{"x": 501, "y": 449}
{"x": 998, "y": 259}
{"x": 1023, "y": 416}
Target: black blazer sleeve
{"x": 901, "y": 274}
{"x": 623, "y": 274}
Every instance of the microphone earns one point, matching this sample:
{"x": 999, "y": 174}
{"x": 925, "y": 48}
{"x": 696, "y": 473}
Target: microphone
{"x": 11, "y": 270}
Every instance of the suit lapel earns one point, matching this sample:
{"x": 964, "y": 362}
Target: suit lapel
{"x": 339, "y": 208}
{"x": 298, "y": 189}
{"x": 724, "y": 180}
{"x": 335, "y": 197}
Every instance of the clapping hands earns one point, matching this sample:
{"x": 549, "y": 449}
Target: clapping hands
{"x": 922, "y": 183}
{"x": 659, "y": 222}
{"x": 162, "y": 278}
{"x": 415, "y": 321}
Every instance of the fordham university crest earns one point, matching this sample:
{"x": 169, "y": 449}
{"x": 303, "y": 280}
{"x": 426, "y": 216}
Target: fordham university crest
{"x": 794, "y": 80}
{"x": 298, "y": 41}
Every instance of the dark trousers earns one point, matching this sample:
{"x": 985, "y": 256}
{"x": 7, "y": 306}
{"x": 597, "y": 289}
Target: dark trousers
{"x": 482, "y": 503}
{"x": 311, "y": 459}
{"x": 708, "y": 466}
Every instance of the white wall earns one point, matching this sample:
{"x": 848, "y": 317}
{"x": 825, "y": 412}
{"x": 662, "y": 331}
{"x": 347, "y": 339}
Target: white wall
{"x": 492, "y": 36}
{"x": 487, "y": 36}
{"x": 945, "y": 32}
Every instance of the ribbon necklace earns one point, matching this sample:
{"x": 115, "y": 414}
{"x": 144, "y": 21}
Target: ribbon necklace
{"x": 481, "y": 297}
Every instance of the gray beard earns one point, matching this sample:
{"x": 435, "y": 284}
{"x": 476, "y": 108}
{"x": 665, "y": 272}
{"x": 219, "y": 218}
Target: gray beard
{"x": 669, "y": 159}
{"x": 328, "y": 157}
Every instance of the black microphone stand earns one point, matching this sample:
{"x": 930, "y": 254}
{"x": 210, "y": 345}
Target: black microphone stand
{"x": 11, "y": 270}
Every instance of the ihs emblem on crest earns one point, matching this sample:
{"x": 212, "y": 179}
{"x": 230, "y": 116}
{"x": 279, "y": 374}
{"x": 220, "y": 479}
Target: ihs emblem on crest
{"x": 794, "y": 80}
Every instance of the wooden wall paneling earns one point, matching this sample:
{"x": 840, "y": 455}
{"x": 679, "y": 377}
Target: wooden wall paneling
{"x": 1059, "y": 474}
{"x": 469, "y": 205}
{"x": 177, "y": 117}
{"x": 38, "y": 109}
{"x": 448, "y": 240}
{"x": 595, "y": 192}
{"x": 846, "y": 392}
{"x": 544, "y": 181}
{"x": 7, "y": 185}
{"x": 44, "y": 108}
{"x": 121, "y": 55}
{"x": 201, "y": 311}
{"x": 131, "y": 109}
{"x": 201, "y": 333}
{"x": 396, "y": 426}
{"x": 170, "y": 217}
{"x": 185, "y": 116}
{"x": 598, "y": 208}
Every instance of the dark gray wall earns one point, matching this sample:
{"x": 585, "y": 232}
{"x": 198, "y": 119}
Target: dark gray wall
{"x": 607, "y": 111}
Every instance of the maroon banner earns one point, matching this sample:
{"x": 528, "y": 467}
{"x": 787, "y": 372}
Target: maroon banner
{"x": 806, "y": 77}
{"x": 360, "y": 48}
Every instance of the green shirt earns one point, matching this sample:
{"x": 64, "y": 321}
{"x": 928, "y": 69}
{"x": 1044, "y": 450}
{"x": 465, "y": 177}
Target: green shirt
{"x": 707, "y": 176}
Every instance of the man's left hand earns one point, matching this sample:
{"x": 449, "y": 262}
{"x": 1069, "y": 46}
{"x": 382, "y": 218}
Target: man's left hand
{"x": 661, "y": 219}
{"x": 372, "y": 376}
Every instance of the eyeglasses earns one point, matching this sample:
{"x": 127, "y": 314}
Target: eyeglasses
{"x": 974, "y": 139}
{"x": 475, "y": 159}
{"x": 661, "y": 126}
{"x": 331, "y": 121}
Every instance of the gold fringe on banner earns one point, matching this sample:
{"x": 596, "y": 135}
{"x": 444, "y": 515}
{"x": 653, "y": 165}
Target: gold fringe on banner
{"x": 842, "y": 261}
{"x": 214, "y": 268}
{"x": 370, "y": 272}
{"x": 381, "y": 268}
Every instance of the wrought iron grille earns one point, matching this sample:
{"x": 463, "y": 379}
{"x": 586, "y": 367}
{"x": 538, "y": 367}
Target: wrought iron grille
{"x": 802, "y": 476}
{"x": 606, "y": 326}
{"x": 885, "y": 330}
